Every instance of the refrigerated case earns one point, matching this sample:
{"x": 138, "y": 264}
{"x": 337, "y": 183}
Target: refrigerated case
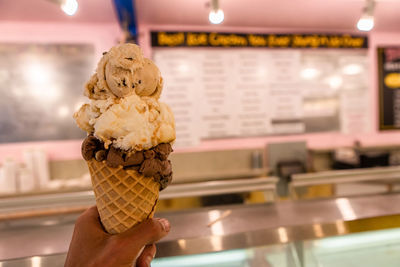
{"x": 269, "y": 256}
{"x": 282, "y": 255}
{"x": 368, "y": 249}
{"x": 359, "y": 231}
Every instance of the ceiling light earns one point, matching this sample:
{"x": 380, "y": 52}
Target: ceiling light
{"x": 70, "y": 7}
{"x": 216, "y": 15}
{"x": 366, "y": 22}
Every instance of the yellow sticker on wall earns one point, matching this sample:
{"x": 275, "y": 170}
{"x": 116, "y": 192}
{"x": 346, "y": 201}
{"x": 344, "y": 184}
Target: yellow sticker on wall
{"x": 392, "y": 80}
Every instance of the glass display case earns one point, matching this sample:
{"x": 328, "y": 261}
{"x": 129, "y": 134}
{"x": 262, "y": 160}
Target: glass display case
{"x": 367, "y": 249}
{"x": 283, "y": 255}
{"x": 346, "y": 232}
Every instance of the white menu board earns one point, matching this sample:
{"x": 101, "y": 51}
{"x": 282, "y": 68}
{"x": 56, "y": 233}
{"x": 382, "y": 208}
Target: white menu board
{"x": 242, "y": 92}
{"x": 215, "y": 100}
{"x": 249, "y": 76}
{"x": 181, "y": 93}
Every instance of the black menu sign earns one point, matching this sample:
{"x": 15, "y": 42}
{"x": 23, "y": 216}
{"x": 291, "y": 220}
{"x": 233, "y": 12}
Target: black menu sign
{"x": 389, "y": 87}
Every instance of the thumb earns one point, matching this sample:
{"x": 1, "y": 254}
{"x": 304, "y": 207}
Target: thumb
{"x": 147, "y": 232}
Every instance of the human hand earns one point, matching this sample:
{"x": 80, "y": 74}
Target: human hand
{"x": 92, "y": 246}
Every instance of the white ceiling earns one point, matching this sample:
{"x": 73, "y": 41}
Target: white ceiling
{"x": 292, "y": 14}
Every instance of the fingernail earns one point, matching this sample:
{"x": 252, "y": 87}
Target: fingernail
{"x": 148, "y": 260}
{"x": 165, "y": 224}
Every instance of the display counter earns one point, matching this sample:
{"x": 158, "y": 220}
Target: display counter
{"x": 331, "y": 232}
{"x": 362, "y": 181}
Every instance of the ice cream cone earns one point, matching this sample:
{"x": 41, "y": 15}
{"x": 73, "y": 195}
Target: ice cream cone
{"x": 129, "y": 136}
{"x": 123, "y": 197}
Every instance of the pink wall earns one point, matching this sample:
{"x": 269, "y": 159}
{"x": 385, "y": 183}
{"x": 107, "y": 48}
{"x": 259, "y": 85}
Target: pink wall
{"x": 103, "y": 36}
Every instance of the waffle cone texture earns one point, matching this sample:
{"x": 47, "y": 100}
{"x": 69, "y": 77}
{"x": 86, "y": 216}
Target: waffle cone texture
{"x": 123, "y": 197}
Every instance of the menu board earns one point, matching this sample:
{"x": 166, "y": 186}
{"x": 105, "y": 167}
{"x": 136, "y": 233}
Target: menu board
{"x": 182, "y": 94}
{"x": 389, "y": 85}
{"x": 243, "y": 92}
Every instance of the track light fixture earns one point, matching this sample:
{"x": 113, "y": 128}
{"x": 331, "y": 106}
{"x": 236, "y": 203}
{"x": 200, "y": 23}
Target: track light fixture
{"x": 68, "y": 6}
{"x": 366, "y": 22}
{"x": 216, "y": 15}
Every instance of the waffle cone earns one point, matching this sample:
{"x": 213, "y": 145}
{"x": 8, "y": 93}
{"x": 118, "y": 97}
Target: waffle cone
{"x": 123, "y": 197}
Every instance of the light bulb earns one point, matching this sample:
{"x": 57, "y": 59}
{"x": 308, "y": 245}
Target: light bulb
{"x": 70, "y": 7}
{"x": 216, "y": 17}
{"x": 366, "y": 23}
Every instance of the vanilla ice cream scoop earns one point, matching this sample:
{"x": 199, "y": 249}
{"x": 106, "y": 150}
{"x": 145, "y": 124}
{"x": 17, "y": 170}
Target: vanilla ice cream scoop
{"x": 135, "y": 124}
{"x": 124, "y": 110}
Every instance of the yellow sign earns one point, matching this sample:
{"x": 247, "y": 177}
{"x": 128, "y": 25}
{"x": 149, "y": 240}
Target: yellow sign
{"x": 392, "y": 80}
{"x": 213, "y": 39}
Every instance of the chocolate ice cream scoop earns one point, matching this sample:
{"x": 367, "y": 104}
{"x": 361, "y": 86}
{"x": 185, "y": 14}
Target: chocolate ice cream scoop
{"x": 150, "y": 167}
{"x": 149, "y": 154}
{"x": 114, "y": 158}
{"x": 165, "y": 181}
{"x": 134, "y": 159}
{"x": 163, "y": 150}
{"x": 89, "y": 145}
{"x": 149, "y": 163}
{"x": 100, "y": 155}
{"x": 165, "y": 167}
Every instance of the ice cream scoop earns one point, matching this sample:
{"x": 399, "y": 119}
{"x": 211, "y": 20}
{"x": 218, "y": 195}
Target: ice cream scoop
{"x": 150, "y": 83}
{"x": 124, "y": 71}
{"x": 124, "y": 109}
